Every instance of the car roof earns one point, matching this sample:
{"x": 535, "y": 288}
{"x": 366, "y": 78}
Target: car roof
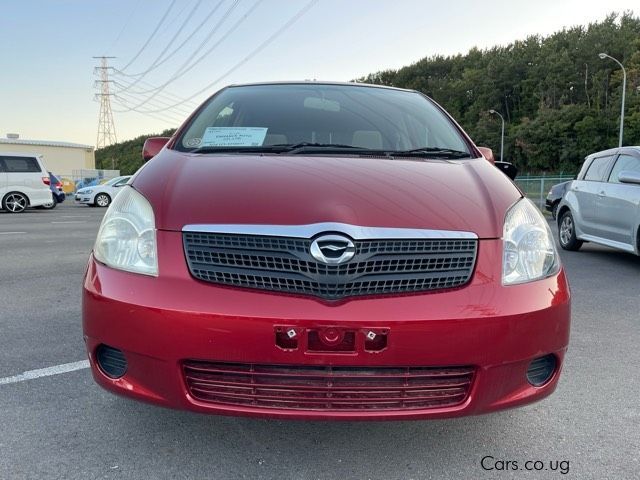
{"x": 613, "y": 151}
{"x": 315, "y": 82}
{"x": 20, "y": 154}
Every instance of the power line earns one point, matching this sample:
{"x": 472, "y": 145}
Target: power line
{"x": 174, "y": 117}
{"x": 169, "y": 119}
{"x": 167, "y": 95}
{"x": 155, "y": 30}
{"x": 126, "y": 23}
{"x": 106, "y": 127}
{"x": 157, "y": 103}
{"x": 168, "y": 102}
{"x": 182, "y": 71}
{"x": 178, "y": 111}
{"x": 157, "y": 62}
{"x": 261, "y": 47}
{"x": 185, "y": 67}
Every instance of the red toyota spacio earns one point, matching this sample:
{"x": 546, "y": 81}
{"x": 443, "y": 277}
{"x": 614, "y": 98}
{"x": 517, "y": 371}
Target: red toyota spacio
{"x": 325, "y": 251}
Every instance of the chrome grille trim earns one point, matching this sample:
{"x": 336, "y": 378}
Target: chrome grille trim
{"x": 356, "y": 232}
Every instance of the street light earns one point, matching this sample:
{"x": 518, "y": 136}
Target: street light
{"x": 502, "y": 137}
{"x": 624, "y": 89}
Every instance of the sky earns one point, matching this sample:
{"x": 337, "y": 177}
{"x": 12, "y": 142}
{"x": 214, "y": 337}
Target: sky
{"x": 47, "y": 76}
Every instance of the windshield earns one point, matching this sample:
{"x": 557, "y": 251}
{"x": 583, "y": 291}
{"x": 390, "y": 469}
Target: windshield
{"x": 113, "y": 181}
{"x": 259, "y": 116}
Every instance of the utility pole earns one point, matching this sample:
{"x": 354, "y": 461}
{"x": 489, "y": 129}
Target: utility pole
{"x": 502, "y": 135}
{"x": 106, "y": 127}
{"x": 624, "y": 89}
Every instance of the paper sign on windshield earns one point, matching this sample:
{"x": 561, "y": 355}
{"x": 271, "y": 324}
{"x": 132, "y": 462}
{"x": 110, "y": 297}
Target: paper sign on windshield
{"x": 233, "y": 137}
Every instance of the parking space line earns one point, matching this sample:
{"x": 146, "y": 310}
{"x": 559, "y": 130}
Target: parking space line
{"x": 45, "y": 372}
{"x": 72, "y": 221}
{"x": 11, "y": 233}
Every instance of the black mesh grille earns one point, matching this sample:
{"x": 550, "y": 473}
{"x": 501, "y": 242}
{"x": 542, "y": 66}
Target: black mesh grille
{"x": 286, "y": 265}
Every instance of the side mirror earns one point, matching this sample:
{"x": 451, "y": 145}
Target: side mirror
{"x": 152, "y": 147}
{"x": 487, "y": 153}
{"x": 509, "y": 169}
{"x": 629, "y": 176}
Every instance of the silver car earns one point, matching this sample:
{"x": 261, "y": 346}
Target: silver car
{"x": 603, "y": 204}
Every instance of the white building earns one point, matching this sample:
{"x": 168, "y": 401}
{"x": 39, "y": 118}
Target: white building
{"x": 61, "y": 158}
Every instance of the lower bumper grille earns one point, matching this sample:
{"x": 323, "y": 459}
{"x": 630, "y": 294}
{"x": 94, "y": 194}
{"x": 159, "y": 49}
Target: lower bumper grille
{"x": 327, "y": 388}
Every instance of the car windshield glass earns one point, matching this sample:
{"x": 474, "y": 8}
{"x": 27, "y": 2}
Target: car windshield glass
{"x": 325, "y": 118}
{"x": 113, "y": 181}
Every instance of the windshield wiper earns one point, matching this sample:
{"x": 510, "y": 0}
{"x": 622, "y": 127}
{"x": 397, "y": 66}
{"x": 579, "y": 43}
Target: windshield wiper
{"x": 288, "y": 148}
{"x": 311, "y": 147}
{"x": 214, "y": 149}
{"x": 305, "y": 147}
{"x": 430, "y": 152}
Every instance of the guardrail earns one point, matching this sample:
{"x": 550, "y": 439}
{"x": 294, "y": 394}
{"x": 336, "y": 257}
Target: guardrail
{"x": 84, "y": 178}
{"x": 536, "y": 188}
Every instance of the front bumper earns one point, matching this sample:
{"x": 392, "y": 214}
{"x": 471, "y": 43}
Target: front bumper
{"x": 83, "y": 199}
{"x": 549, "y": 203}
{"x": 159, "y": 323}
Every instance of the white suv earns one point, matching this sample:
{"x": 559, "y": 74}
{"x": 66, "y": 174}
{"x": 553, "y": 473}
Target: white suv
{"x": 24, "y": 182}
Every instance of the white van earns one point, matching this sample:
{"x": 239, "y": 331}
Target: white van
{"x": 24, "y": 182}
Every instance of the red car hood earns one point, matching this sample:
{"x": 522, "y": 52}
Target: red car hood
{"x": 466, "y": 195}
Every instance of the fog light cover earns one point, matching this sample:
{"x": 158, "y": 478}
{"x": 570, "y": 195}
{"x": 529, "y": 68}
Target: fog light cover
{"x": 111, "y": 361}
{"x": 541, "y": 370}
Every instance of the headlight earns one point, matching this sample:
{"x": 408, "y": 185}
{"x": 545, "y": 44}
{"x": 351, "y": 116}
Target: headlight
{"x": 529, "y": 250}
{"x": 84, "y": 192}
{"x": 127, "y": 236}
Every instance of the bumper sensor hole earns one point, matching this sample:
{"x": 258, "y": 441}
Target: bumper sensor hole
{"x": 541, "y": 370}
{"x": 111, "y": 361}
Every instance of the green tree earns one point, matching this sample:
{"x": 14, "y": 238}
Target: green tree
{"x": 560, "y": 101}
{"x": 125, "y": 156}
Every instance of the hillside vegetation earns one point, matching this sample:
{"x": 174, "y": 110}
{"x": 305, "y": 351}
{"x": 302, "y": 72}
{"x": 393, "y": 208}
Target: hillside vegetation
{"x": 126, "y": 156}
{"x": 559, "y": 100}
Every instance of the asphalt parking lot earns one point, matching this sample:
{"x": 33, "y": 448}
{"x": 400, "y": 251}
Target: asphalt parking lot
{"x": 65, "y": 426}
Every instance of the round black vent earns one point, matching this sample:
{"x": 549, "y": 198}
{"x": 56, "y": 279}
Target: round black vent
{"x": 541, "y": 370}
{"x": 111, "y": 361}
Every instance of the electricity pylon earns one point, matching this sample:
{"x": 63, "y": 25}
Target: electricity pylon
{"x": 106, "y": 127}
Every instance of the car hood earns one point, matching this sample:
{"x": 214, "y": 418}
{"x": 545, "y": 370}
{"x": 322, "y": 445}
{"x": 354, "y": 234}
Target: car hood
{"x": 94, "y": 188}
{"x": 465, "y": 195}
{"x": 561, "y": 187}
